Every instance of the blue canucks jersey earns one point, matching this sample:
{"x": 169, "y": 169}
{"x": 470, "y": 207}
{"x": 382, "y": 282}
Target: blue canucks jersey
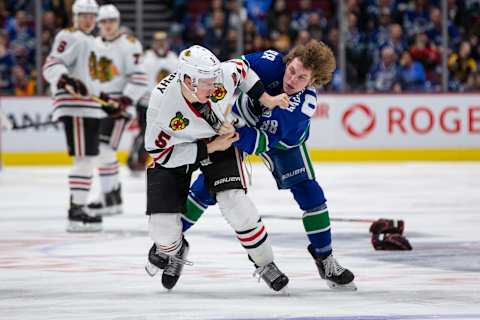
{"x": 277, "y": 128}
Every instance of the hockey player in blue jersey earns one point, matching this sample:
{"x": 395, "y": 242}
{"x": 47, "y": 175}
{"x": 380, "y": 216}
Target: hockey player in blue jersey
{"x": 279, "y": 135}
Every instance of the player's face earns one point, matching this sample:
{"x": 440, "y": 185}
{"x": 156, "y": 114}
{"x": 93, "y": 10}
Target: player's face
{"x": 108, "y": 28}
{"x": 86, "y": 21}
{"x": 205, "y": 89}
{"x": 296, "y": 77}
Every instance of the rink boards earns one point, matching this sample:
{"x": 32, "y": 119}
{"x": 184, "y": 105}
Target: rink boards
{"x": 345, "y": 128}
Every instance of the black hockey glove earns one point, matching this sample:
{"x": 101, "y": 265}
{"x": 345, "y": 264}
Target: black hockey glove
{"x": 387, "y": 226}
{"x": 115, "y": 107}
{"x": 77, "y": 86}
{"x": 389, "y": 241}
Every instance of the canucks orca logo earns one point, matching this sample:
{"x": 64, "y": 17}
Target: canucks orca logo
{"x": 178, "y": 122}
{"x": 218, "y": 94}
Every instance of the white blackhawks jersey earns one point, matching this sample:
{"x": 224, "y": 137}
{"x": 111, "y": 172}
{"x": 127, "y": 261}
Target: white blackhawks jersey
{"x": 73, "y": 53}
{"x": 158, "y": 67}
{"x": 120, "y": 67}
{"x": 174, "y": 125}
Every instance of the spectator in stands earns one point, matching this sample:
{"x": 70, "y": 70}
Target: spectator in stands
{"x": 428, "y": 55}
{"x": 236, "y": 14}
{"x": 412, "y": 73}
{"x": 300, "y": 16}
{"x": 22, "y": 39}
{"x": 6, "y": 66}
{"x": 415, "y": 20}
{"x": 215, "y": 36}
{"x": 461, "y": 65}
{"x": 257, "y": 11}
{"x": 473, "y": 83}
{"x": 281, "y": 36}
{"x": 385, "y": 75}
{"x": 395, "y": 39}
{"x": 24, "y": 86}
{"x": 358, "y": 61}
{"x": 277, "y": 9}
{"x": 434, "y": 29}
{"x": 316, "y": 25}
{"x": 303, "y": 37}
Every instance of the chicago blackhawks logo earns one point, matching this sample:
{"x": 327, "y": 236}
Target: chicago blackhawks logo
{"x": 106, "y": 69}
{"x": 219, "y": 93}
{"x": 178, "y": 122}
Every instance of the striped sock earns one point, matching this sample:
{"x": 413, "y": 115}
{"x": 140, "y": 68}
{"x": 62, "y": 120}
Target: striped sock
{"x": 195, "y": 208}
{"x": 317, "y": 226}
{"x": 254, "y": 237}
{"x": 79, "y": 188}
{"x": 109, "y": 179}
{"x": 257, "y": 244}
{"x": 170, "y": 249}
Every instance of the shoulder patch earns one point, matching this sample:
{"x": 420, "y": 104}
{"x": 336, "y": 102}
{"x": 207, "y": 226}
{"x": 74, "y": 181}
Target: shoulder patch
{"x": 71, "y": 29}
{"x": 131, "y": 38}
{"x": 309, "y": 105}
{"x": 218, "y": 94}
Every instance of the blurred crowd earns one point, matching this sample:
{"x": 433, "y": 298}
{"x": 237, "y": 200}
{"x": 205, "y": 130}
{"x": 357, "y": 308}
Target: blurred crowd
{"x": 391, "y": 45}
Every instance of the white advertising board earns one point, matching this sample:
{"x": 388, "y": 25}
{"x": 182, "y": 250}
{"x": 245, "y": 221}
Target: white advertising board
{"x": 396, "y": 121}
{"x": 33, "y": 111}
{"x": 341, "y": 121}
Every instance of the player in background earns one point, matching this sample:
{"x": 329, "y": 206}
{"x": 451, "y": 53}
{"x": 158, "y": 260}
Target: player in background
{"x": 123, "y": 82}
{"x": 70, "y": 68}
{"x": 279, "y": 136}
{"x": 181, "y": 119}
{"x": 159, "y": 62}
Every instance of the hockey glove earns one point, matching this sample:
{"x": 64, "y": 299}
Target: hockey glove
{"x": 386, "y": 241}
{"x": 115, "y": 107}
{"x": 387, "y": 226}
{"x": 71, "y": 84}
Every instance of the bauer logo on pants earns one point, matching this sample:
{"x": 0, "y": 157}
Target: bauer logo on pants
{"x": 226, "y": 180}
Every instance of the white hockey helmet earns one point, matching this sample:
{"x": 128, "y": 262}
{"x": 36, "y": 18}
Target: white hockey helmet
{"x": 108, "y": 11}
{"x": 198, "y": 63}
{"x": 85, "y": 6}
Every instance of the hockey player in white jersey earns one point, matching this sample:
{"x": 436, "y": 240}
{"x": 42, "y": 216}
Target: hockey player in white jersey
{"x": 159, "y": 62}
{"x": 70, "y": 68}
{"x": 186, "y": 131}
{"x": 123, "y": 82}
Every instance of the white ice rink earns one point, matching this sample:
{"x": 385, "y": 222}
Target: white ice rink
{"x": 46, "y": 273}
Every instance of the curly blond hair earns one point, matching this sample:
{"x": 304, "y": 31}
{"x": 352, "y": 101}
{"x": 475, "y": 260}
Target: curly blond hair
{"x": 315, "y": 56}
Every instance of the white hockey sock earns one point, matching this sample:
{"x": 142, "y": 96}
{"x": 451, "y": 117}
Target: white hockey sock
{"x": 165, "y": 229}
{"x": 242, "y": 215}
{"x": 80, "y": 179}
{"x": 108, "y": 168}
{"x": 109, "y": 179}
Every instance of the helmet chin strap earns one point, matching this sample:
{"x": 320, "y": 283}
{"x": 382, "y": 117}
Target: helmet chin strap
{"x": 190, "y": 95}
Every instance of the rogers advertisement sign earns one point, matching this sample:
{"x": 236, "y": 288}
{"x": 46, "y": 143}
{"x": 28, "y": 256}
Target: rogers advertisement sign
{"x": 397, "y": 121}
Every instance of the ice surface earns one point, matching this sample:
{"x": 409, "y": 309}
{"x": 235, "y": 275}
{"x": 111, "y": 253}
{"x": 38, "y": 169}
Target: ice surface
{"x": 46, "y": 273}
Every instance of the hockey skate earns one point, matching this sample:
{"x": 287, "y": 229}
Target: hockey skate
{"x": 80, "y": 221}
{"x": 272, "y": 276}
{"x": 156, "y": 261}
{"x": 109, "y": 205}
{"x": 174, "y": 268}
{"x": 337, "y": 277}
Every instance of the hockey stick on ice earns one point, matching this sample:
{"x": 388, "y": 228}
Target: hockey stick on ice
{"x": 360, "y": 220}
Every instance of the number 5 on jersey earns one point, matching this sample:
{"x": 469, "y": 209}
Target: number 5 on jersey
{"x": 162, "y": 139}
